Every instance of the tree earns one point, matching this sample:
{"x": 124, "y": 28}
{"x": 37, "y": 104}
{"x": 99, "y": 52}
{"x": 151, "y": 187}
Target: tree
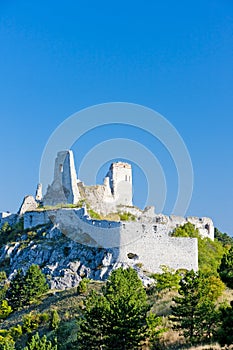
{"x": 186, "y": 230}
{"x": 226, "y": 268}
{"x": 35, "y": 282}
{"x": 82, "y": 286}
{"x": 23, "y": 289}
{"x": 37, "y": 343}
{"x": 194, "y": 311}
{"x": 7, "y": 343}
{"x": 94, "y": 323}
{"x": 55, "y": 320}
{"x": 117, "y": 319}
{"x": 225, "y": 333}
{"x": 5, "y": 309}
{"x": 224, "y": 238}
{"x": 3, "y": 285}
{"x": 128, "y": 308}
{"x": 16, "y": 293}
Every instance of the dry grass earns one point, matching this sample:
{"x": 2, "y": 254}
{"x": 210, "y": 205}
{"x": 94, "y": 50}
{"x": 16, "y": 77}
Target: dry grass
{"x": 66, "y": 302}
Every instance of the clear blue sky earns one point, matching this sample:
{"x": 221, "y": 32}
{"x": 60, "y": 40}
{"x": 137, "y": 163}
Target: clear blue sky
{"x": 57, "y": 57}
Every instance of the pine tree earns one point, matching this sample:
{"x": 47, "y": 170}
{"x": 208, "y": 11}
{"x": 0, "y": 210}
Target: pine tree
{"x": 55, "y": 320}
{"x": 128, "y": 309}
{"x": 118, "y": 318}
{"x": 35, "y": 282}
{"x": 16, "y": 292}
{"x": 24, "y": 289}
{"x": 194, "y": 311}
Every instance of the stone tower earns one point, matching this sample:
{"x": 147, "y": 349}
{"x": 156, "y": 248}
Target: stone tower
{"x": 120, "y": 181}
{"x": 39, "y": 193}
{"x": 64, "y": 188}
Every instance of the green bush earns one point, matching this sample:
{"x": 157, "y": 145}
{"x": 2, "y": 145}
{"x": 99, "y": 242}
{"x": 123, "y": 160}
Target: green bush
{"x": 2, "y": 276}
{"x": 5, "y": 310}
{"x": 55, "y": 320}
{"x": 94, "y": 215}
{"x": 10, "y": 233}
{"x": 16, "y": 332}
{"x": 37, "y": 343}
{"x": 126, "y": 216}
{"x": 7, "y": 343}
{"x": 168, "y": 279}
{"x": 82, "y": 287}
{"x": 32, "y": 321}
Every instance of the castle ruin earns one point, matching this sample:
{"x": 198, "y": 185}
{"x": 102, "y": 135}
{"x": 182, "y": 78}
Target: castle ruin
{"x": 146, "y": 241}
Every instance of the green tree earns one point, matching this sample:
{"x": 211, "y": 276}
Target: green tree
{"x": 226, "y": 268}
{"x": 128, "y": 308}
{"x": 210, "y": 254}
{"x": 5, "y": 309}
{"x": 23, "y": 289}
{"x": 7, "y": 343}
{"x": 186, "y": 230}
{"x": 118, "y": 318}
{"x": 94, "y": 323}
{"x": 16, "y": 293}
{"x": 35, "y": 282}
{"x": 82, "y": 286}
{"x": 3, "y": 285}
{"x": 55, "y": 320}
{"x": 223, "y": 238}
{"x": 225, "y": 333}
{"x": 37, "y": 343}
{"x": 194, "y": 311}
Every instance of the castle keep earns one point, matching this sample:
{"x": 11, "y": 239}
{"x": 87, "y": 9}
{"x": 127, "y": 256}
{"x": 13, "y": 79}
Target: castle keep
{"x": 144, "y": 241}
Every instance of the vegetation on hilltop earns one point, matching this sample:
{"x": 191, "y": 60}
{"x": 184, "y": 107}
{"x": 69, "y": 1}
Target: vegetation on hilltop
{"x": 181, "y": 307}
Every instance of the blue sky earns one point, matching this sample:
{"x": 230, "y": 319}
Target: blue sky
{"x": 58, "y": 57}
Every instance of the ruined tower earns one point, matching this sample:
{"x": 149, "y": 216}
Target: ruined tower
{"x": 120, "y": 181}
{"x": 64, "y": 188}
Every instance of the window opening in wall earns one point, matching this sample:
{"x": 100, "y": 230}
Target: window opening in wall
{"x": 61, "y": 168}
{"x": 132, "y": 256}
{"x": 155, "y": 229}
{"x": 125, "y": 177}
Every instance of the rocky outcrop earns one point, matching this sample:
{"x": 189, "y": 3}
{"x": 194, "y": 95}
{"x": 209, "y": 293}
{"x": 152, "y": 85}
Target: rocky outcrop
{"x": 63, "y": 261}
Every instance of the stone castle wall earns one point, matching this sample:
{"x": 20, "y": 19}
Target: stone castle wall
{"x": 147, "y": 241}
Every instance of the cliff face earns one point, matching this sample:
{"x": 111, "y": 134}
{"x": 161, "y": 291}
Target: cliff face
{"x": 63, "y": 261}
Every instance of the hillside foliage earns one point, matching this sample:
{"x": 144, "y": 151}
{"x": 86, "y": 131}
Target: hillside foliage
{"x": 120, "y": 313}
